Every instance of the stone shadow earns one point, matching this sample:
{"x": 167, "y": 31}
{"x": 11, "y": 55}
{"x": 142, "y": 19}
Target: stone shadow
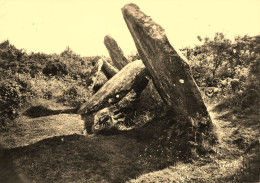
{"x": 94, "y": 158}
{"x": 8, "y": 172}
{"x": 39, "y": 111}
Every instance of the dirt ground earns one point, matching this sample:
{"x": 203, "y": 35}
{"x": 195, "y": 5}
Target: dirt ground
{"x": 50, "y": 147}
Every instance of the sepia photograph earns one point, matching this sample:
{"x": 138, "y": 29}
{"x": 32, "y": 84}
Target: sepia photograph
{"x": 129, "y": 91}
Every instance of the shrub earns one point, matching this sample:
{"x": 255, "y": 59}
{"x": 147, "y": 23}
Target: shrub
{"x": 10, "y": 52}
{"x": 74, "y": 96}
{"x": 55, "y": 68}
{"x": 48, "y": 87}
{"x": 78, "y": 67}
{"x": 15, "y": 93}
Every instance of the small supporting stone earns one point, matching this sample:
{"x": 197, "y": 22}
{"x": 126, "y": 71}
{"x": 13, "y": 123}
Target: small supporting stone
{"x": 107, "y": 119}
{"x": 96, "y": 70}
{"x": 109, "y": 70}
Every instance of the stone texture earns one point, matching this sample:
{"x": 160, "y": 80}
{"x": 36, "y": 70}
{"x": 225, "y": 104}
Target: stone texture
{"x": 102, "y": 120}
{"x": 108, "y": 118}
{"x": 96, "y": 70}
{"x": 170, "y": 72}
{"x": 109, "y": 70}
{"x": 131, "y": 76}
{"x": 115, "y": 52}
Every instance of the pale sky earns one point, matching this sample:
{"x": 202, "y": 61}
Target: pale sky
{"x": 50, "y": 26}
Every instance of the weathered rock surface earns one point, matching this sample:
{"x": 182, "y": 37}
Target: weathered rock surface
{"x": 150, "y": 100}
{"x": 102, "y": 120}
{"x": 115, "y": 52}
{"x": 109, "y": 70}
{"x": 107, "y": 118}
{"x": 130, "y": 77}
{"x": 170, "y": 73}
{"x": 96, "y": 72}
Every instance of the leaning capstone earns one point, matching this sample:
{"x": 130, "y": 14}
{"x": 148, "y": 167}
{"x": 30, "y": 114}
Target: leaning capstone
{"x": 133, "y": 75}
{"x": 115, "y": 52}
{"x": 170, "y": 73}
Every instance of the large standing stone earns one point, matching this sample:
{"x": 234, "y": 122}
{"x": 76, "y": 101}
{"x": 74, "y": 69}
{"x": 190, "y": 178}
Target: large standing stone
{"x": 130, "y": 77}
{"x": 115, "y": 52}
{"x": 170, "y": 73}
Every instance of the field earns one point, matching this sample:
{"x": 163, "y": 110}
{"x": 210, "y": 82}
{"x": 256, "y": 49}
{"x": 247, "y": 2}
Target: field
{"x": 51, "y": 148}
{"x": 42, "y": 138}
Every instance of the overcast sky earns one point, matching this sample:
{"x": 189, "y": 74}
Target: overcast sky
{"x": 51, "y": 25}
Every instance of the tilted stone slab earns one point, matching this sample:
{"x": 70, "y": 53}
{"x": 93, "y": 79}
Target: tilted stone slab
{"x": 169, "y": 70}
{"x": 109, "y": 70}
{"x": 96, "y": 70}
{"x": 115, "y": 52}
{"x": 130, "y": 77}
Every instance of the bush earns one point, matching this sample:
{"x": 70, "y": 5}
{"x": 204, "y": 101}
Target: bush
{"x": 10, "y": 53}
{"x": 233, "y": 67}
{"x": 15, "y": 93}
{"x": 48, "y": 87}
{"x": 55, "y": 68}
{"x": 78, "y": 67}
{"x": 74, "y": 96}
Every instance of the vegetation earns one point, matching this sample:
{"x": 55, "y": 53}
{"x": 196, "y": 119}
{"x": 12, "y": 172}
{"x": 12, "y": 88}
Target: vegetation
{"x": 230, "y": 67}
{"x": 23, "y": 77}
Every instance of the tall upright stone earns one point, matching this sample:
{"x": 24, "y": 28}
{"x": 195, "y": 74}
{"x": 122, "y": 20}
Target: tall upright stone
{"x": 115, "y": 52}
{"x": 171, "y": 76}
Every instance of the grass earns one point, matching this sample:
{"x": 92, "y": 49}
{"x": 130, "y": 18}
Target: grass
{"x": 50, "y": 148}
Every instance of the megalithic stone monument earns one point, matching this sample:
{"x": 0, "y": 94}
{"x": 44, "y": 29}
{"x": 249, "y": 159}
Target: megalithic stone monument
{"x": 171, "y": 75}
{"x": 115, "y": 52}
